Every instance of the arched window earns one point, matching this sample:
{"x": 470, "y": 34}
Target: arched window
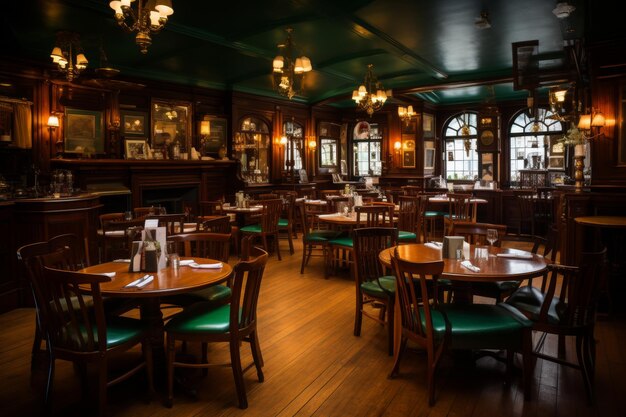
{"x": 530, "y": 140}
{"x": 367, "y": 149}
{"x": 459, "y": 155}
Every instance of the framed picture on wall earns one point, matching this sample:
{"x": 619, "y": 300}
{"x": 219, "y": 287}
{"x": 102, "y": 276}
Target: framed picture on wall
{"x": 429, "y": 158}
{"x": 133, "y": 123}
{"x": 83, "y": 131}
{"x": 213, "y": 132}
{"x": 428, "y": 125}
{"x": 135, "y": 148}
{"x": 556, "y": 163}
{"x": 408, "y": 158}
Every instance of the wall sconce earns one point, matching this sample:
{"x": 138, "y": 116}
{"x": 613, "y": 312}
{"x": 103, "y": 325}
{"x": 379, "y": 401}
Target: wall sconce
{"x": 593, "y": 121}
{"x": 406, "y": 113}
{"x": 53, "y": 122}
{"x": 312, "y": 144}
{"x": 397, "y": 146}
{"x": 283, "y": 141}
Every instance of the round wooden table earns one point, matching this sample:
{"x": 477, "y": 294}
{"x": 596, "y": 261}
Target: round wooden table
{"x": 494, "y": 268}
{"x": 602, "y": 221}
{"x": 167, "y": 281}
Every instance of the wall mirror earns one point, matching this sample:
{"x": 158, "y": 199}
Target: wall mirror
{"x": 329, "y": 136}
{"x": 171, "y": 121}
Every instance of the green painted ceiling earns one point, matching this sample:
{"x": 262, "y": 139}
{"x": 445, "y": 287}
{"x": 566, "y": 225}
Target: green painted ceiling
{"x": 418, "y": 48}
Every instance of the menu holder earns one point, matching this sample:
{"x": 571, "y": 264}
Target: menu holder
{"x": 452, "y": 247}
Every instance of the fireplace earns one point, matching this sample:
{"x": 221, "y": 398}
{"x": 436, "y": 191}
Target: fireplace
{"x": 172, "y": 198}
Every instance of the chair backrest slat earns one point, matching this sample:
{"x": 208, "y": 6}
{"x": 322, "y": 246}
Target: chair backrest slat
{"x": 246, "y": 287}
{"x": 203, "y": 244}
{"x": 368, "y": 242}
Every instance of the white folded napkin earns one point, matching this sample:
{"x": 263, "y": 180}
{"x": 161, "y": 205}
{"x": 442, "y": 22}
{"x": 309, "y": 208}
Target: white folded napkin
{"x": 187, "y": 262}
{"x": 121, "y": 260}
{"x": 515, "y": 255}
{"x": 324, "y": 216}
{"x": 108, "y": 274}
{"x": 468, "y": 265}
{"x": 433, "y": 245}
{"x": 207, "y": 266}
{"x": 145, "y": 282}
{"x": 313, "y": 201}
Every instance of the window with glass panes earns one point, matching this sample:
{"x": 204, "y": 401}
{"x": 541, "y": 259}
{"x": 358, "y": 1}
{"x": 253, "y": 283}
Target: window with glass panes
{"x": 368, "y": 153}
{"x": 529, "y": 139}
{"x": 459, "y": 164}
{"x": 295, "y": 142}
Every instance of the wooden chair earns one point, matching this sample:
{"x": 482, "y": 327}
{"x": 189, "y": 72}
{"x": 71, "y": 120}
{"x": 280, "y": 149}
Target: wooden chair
{"x": 80, "y": 334}
{"x": 526, "y": 210}
{"x": 459, "y": 210}
{"x": 173, "y": 223}
{"x": 569, "y": 311}
{"x": 411, "y": 225}
{"x": 475, "y": 234}
{"x": 210, "y": 208}
{"x": 204, "y": 245}
{"x": 313, "y": 237}
{"x": 141, "y": 212}
{"x": 232, "y": 323}
{"x": 412, "y": 189}
{"x": 116, "y": 235}
{"x": 286, "y": 223}
{"x": 219, "y": 224}
{"x": 432, "y": 216}
{"x": 323, "y": 194}
{"x": 268, "y": 225}
{"x": 439, "y": 327}
{"x": 336, "y": 204}
{"x": 373, "y": 287}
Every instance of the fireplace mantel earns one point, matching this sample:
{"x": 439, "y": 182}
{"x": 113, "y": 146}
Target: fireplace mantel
{"x": 213, "y": 179}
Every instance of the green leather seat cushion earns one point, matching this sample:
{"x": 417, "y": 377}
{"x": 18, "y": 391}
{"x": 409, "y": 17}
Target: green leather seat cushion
{"x": 403, "y": 235}
{"x": 214, "y": 294}
{"x": 342, "y": 241}
{"x": 283, "y": 222}
{"x": 119, "y": 330}
{"x": 528, "y": 300}
{"x": 388, "y": 282}
{"x": 252, "y": 228}
{"x": 201, "y": 318}
{"x": 320, "y": 235}
{"x": 480, "y": 326}
{"x": 435, "y": 213}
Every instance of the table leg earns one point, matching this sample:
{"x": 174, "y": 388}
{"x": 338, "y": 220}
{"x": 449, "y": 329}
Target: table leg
{"x": 151, "y": 314}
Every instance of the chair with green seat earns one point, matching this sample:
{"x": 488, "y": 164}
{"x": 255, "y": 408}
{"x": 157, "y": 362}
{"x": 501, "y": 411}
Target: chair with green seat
{"x": 214, "y": 246}
{"x": 373, "y": 287}
{"x": 268, "y": 225}
{"x": 313, "y": 237}
{"x": 459, "y": 210}
{"x": 431, "y": 216}
{"x": 568, "y": 307}
{"x": 287, "y": 217}
{"x": 439, "y": 327}
{"x": 233, "y": 323}
{"x": 375, "y": 215}
{"x": 411, "y": 218}
{"x": 82, "y": 334}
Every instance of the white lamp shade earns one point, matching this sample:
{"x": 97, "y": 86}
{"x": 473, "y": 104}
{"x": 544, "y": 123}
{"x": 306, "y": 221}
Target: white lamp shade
{"x": 362, "y": 91}
{"x": 283, "y": 140}
{"x": 584, "y": 123}
{"x": 164, "y": 7}
{"x": 125, "y": 3}
{"x": 154, "y": 18}
{"x": 401, "y": 111}
{"x": 279, "y": 62}
{"x": 81, "y": 59}
{"x": 306, "y": 64}
{"x": 397, "y": 145}
{"x": 56, "y": 54}
{"x": 53, "y": 121}
{"x": 205, "y": 128}
{"x": 312, "y": 144}
{"x": 382, "y": 97}
{"x": 410, "y": 111}
{"x": 62, "y": 62}
{"x": 560, "y": 95}
{"x": 116, "y": 5}
{"x": 298, "y": 68}
{"x": 598, "y": 120}
{"x": 355, "y": 96}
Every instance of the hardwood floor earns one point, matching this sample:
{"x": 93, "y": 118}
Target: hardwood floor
{"x": 314, "y": 366}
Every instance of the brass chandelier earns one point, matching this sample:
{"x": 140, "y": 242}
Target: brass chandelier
{"x": 68, "y": 55}
{"x": 149, "y": 18}
{"x": 288, "y": 70}
{"x": 370, "y": 95}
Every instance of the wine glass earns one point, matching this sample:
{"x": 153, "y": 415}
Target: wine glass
{"x": 492, "y": 236}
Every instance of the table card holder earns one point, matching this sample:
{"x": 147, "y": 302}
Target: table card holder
{"x": 135, "y": 256}
{"x": 452, "y": 247}
{"x": 153, "y": 249}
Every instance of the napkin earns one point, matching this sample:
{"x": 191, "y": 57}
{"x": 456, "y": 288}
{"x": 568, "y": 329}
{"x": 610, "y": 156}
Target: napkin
{"x": 121, "y": 260}
{"x": 468, "y": 265}
{"x": 206, "y": 266}
{"x": 434, "y": 245}
{"x": 515, "y": 255}
{"x": 108, "y": 274}
{"x": 187, "y": 262}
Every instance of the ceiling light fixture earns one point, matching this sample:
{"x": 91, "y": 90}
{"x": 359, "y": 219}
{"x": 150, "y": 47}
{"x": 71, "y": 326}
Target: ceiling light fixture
{"x": 483, "y": 22}
{"x": 406, "y": 113}
{"x": 370, "y": 95}
{"x": 288, "y": 70}
{"x": 68, "y": 44}
{"x": 563, "y": 10}
{"x": 150, "y": 17}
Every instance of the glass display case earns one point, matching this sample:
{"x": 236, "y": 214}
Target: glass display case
{"x": 251, "y": 147}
